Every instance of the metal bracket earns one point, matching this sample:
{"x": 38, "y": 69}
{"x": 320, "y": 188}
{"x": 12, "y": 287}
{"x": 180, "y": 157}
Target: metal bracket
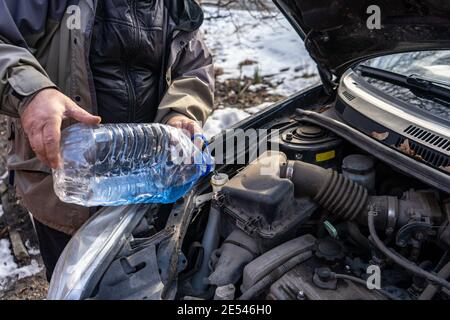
{"x": 201, "y": 199}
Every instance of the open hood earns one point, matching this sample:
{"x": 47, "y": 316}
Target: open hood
{"x": 339, "y": 33}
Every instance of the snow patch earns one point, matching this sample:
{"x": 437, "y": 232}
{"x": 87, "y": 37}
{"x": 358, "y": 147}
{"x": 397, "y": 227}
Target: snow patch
{"x": 225, "y": 118}
{"x": 256, "y": 109}
{"x": 243, "y": 44}
{"x": 9, "y": 270}
{"x": 1, "y": 211}
{"x": 32, "y": 251}
{"x": 222, "y": 119}
{"x": 257, "y": 87}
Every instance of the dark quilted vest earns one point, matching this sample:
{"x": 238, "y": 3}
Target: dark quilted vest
{"x": 126, "y": 59}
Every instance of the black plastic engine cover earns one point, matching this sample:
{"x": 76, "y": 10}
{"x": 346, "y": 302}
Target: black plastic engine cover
{"x": 261, "y": 203}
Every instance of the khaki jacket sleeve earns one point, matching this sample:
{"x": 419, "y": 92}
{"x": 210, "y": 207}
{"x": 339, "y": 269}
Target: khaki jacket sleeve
{"x": 21, "y": 75}
{"x": 191, "y": 91}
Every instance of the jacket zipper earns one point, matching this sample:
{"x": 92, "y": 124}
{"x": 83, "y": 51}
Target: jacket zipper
{"x": 131, "y": 90}
{"x": 131, "y": 95}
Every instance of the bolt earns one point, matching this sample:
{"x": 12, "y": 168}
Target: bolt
{"x": 420, "y": 236}
{"x": 301, "y": 295}
{"x": 289, "y": 136}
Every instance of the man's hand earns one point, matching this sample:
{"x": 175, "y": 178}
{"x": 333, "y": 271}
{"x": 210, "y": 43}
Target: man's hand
{"x": 42, "y": 120}
{"x": 188, "y": 125}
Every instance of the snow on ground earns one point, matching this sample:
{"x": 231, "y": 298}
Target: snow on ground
{"x": 9, "y": 270}
{"x": 268, "y": 45}
{"x": 244, "y": 43}
{"x": 222, "y": 119}
{"x": 225, "y": 118}
{"x": 31, "y": 250}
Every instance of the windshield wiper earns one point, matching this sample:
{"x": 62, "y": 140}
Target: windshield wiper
{"x": 422, "y": 87}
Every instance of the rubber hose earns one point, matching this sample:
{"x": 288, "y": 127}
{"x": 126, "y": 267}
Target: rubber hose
{"x": 273, "y": 276}
{"x": 401, "y": 261}
{"x": 331, "y": 190}
{"x": 432, "y": 289}
{"x": 356, "y": 235}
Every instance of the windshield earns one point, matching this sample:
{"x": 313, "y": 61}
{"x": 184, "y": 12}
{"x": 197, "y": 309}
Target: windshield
{"x": 432, "y": 65}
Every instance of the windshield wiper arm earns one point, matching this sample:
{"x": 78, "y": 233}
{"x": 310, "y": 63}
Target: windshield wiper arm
{"x": 418, "y": 85}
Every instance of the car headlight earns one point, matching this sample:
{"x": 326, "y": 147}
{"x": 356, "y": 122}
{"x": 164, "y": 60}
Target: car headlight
{"x": 86, "y": 253}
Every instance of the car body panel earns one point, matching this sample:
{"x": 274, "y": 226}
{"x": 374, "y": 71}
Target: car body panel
{"x": 339, "y": 34}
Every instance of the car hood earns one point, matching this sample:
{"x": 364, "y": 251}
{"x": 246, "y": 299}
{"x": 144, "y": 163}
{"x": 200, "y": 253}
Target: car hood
{"x": 337, "y": 35}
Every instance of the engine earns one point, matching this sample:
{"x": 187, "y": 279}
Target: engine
{"x": 322, "y": 220}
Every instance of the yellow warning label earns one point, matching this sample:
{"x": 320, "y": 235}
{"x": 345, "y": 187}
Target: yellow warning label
{"x": 325, "y": 156}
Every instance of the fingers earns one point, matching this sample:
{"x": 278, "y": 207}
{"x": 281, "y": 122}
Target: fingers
{"x": 195, "y": 131}
{"x": 45, "y": 140}
{"x": 51, "y": 134}
{"x": 190, "y": 126}
{"x": 37, "y": 144}
{"x": 193, "y": 127}
{"x": 75, "y": 112}
{"x": 41, "y": 121}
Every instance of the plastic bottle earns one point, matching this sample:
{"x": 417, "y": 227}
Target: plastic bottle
{"x": 119, "y": 164}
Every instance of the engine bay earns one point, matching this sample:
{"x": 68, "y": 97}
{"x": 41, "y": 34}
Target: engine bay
{"x": 321, "y": 219}
{"x": 316, "y": 219}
